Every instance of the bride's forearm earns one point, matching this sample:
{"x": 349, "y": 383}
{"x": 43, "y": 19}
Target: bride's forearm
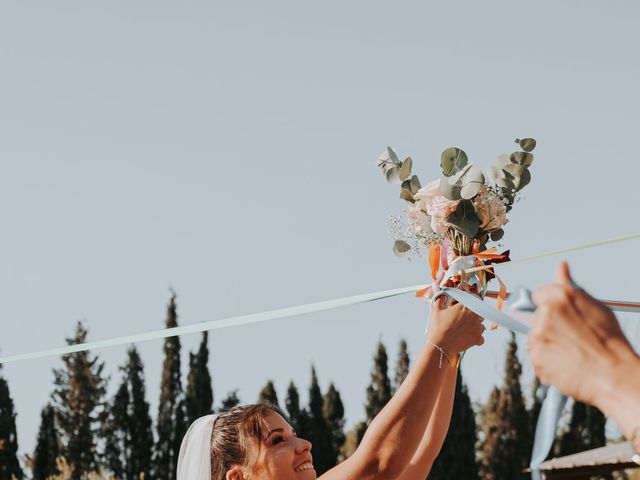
{"x": 436, "y": 432}
{"x": 395, "y": 433}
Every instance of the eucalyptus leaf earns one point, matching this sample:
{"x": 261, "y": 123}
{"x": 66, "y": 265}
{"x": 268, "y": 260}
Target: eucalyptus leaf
{"x": 400, "y": 248}
{"x": 471, "y": 182}
{"x": 470, "y": 190}
{"x": 393, "y": 175}
{"x": 406, "y": 195}
{"x": 451, "y": 192}
{"x": 405, "y": 169}
{"x": 392, "y": 156}
{"x": 497, "y": 235}
{"x": 384, "y": 158}
{"x": 388, "y": 159}
{"x": 521, "y": 158}
{"x": 525, "y": 179}
{"x": 512, "y": 170}
{"x": 469, "y": 179}
{"x": 452, "y": 160}
{"x": 406, "y": 187}
{"x": 518, "y": 174}
{"x": 464, "y": 219}
{"x": 454, "y": 179}
{"x": 415, "y": 184}
{"x": 526, "y": 144}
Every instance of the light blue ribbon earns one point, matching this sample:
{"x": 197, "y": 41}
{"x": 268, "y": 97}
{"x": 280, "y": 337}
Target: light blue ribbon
{"x": 553, "y": 402}
{"x": 486, "y": 311}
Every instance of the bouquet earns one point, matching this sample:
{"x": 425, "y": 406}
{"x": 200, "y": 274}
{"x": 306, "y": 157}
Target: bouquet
{"x": 455, "y": 217}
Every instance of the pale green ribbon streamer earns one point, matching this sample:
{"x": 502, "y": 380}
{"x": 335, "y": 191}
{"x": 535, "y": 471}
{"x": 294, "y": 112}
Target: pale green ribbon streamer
{"x": 215, "y": 324}
{"x": 268, "y": 315}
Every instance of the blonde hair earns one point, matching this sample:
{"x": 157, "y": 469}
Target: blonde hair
{"x": 234, "y": 433}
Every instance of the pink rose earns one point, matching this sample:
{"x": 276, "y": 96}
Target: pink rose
{"x": 491, "y": 210}
{"x": 436, "y": 205}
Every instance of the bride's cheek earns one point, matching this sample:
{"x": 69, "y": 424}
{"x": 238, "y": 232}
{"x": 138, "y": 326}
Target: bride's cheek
{"x": 282, "y": 456}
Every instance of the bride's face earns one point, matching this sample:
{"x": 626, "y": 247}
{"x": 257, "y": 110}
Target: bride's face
{"x": 283, "y": 456}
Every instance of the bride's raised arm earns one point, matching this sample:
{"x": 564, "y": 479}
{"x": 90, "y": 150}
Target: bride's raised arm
{"x": 392, "y": 439}
{"x": 433, "y": 438}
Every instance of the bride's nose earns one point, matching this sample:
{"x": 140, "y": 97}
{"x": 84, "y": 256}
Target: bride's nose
{"x": 303, "y": 445}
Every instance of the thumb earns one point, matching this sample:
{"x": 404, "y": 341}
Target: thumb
{"x": 562, "y": 275}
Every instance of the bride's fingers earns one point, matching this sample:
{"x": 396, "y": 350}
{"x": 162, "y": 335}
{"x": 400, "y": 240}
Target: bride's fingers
{"x": 440, "y": 303}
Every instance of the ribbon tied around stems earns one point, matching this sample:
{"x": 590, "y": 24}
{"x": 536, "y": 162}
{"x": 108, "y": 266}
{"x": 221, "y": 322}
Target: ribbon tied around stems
{"x": 453, "y": 274}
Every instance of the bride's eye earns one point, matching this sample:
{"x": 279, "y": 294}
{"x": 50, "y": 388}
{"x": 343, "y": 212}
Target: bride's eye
{"x": 277, "y": 440}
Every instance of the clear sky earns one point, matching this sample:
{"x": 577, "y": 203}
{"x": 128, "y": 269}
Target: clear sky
{"x": 227, "y": 150}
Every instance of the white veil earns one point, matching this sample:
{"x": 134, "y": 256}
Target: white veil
{"x": 194, "y": 461}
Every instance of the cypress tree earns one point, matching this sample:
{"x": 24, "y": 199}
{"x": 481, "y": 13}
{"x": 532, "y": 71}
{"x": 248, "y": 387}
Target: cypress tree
{"x": 9, "y": 463}
{"x": 402, "y": 365}
{"x": 48, "y": 447}
{"x": 268, "y": 395}
{"x": 490, "y": 431}
{"x": 140, "y": 419}
{"x": 117, "y": 448}
{"x": 298, "y": 417}
{"x": 292, "y": 404}
{"x": 171, "y": 415}
{"x": 457, "y": 458}
{"x": 318, "y": 434}
{"x": 230, "y": 401}
{"x": 80, "y": 407}
{"x": 585, "y": 431}
{"x": 130, "y": 435}
{"x": 379, "y": 390}
{"x": 199, "y": 394}
{"x": 506, "y": 452}
{"x": 333, "y": 411}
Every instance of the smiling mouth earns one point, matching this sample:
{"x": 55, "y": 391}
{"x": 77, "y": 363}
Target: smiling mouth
{"x": 304, "y": 466}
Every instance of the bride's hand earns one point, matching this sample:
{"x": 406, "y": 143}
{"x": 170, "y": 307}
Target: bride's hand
{"x": 454, "y": 328}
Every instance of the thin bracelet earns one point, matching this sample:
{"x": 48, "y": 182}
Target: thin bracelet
{"x": 443, "y": 354}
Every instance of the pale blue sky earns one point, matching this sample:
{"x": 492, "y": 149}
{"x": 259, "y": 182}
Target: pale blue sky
{"x": 228, "y": 150}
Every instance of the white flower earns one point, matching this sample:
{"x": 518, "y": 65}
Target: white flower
{"x": 419, "y": 220}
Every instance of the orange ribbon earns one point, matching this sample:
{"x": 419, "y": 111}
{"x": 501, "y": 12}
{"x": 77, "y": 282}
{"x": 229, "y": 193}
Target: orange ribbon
{"x": 434, "y": 259}
{"x": 423, "y": 292}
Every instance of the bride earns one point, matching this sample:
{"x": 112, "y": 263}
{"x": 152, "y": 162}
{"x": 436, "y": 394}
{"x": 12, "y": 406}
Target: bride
{"x": 256, "y": 442}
